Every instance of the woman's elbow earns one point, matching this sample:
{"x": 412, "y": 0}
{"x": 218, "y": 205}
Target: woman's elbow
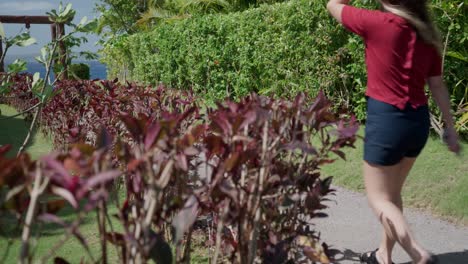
{"x": 335, "y": 8}
{"x": 330, "y": 4}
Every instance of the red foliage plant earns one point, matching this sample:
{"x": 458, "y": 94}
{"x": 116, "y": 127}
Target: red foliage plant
{"x": 251, "y": 169}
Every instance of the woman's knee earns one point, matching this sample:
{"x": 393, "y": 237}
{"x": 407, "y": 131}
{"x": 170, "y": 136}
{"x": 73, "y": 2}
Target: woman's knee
{"x": 395, "y": 230}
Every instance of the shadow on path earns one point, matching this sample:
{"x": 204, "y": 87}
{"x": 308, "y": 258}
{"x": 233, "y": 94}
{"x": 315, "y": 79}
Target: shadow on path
{"x": 346, "y": 255}
{"x": 452, "y": 258}
{"x": 444, "y": 258}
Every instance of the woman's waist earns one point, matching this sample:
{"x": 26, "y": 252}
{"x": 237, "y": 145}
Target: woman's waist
{"x": 379, "y": 106}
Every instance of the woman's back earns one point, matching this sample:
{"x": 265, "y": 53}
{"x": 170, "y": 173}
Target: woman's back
{"x": 398, "y": 61}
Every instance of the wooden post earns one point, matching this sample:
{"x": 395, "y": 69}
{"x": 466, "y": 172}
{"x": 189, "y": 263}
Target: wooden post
{"x": 2, "y": 67}
{"x": 62, "y": 51}
{"x": 25, "y": 20}
{"x": 53, "y": 32}
{"x": 57, "y": 31}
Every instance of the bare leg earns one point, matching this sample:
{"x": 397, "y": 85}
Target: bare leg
{"x": 386, "y": 245}
{"x": 383, "y": 185}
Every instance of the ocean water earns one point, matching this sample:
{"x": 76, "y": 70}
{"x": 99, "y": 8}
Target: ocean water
{"x": 97, "y": 69}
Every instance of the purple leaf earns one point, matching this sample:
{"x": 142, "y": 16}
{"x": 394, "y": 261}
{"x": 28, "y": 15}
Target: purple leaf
{"x": 4, "y": 149}
{"x": 348, "y": 131}
{"x": 65, "y": 194}
{"x": 132, "y": 126}
{"x": 50, "y": 218}
{"x": 101, "y": 178}
{"x": 95, "y": 198}
{"x": 151, "y": 135}
{"x": 182, "y": 162}
{"x": 64, "y": 178}
{"x": 249, "y": 118}
{"x": 340, "y": 153}
{"x": 222, "y": 122}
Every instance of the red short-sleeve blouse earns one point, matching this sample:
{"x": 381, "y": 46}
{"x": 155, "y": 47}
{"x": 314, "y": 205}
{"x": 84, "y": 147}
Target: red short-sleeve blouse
{"x": 398, "y": 62}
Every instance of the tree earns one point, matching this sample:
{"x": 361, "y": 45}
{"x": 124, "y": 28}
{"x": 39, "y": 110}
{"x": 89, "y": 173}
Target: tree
{"x": 119, "y": 16}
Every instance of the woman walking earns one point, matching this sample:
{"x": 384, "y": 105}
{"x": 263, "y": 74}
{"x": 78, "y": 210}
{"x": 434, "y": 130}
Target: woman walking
{"x": 403, "y": 53}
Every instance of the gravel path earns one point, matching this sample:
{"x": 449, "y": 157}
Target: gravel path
{"x": 352, "y": 228}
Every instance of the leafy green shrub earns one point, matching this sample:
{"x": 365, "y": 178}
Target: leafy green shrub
{"x": 79, "y": 71}
{"x": 278, "y": 49}
{"x": 116, "y": 55}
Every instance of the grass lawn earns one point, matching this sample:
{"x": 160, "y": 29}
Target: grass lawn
{"x": 14, "y": 131}
{"x": 72, "y": 250}
{"x": 438, "y": 181}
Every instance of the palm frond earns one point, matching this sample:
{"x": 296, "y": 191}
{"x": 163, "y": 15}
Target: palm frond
{"x": 154, "y": 15}
{"x": 204, "y": 6}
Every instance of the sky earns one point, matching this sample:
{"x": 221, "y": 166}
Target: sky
{"x": 42, "y": 32}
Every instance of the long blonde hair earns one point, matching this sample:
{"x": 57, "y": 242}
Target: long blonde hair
{"x": 417, "y": 14}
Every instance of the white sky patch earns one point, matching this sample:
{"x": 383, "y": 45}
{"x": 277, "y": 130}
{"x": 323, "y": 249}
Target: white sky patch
{"x": 13, "y": 6}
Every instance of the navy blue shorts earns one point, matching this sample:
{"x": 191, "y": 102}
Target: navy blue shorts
{"x": 392, "y": 134}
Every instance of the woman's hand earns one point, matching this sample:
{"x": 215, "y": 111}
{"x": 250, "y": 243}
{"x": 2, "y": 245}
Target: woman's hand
{"x": 451, "y": 139}
{"x": 441, "y": 97}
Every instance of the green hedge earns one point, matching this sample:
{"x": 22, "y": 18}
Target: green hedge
{"x": 79, "y": 71}
{"x": 278, "y": 49}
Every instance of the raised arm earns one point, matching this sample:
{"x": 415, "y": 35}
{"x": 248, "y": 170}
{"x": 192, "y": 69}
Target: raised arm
{"x": 335, "y": 7}
{"x": 441, "y": 97}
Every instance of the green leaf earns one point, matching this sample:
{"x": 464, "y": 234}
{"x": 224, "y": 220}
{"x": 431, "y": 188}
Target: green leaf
{"x": 36, "y": 77}
{"x": 39, "y": 59}
{"x": 83, "y": 21}
{"x": 36, "y": 84}
{"x": 44, "y": 53}
{"x": 67, "y": 10}
{"x": 457, "y": 55}
{"x": 26, "y": 42}
{"x": 90, "y": 27}
{"x": 48, "y": 93}
{"x": 17, "y": 66}
{"x": 5, "y": 87}
{"x": 2, "y": 31}
{"x": 463, "y": 119}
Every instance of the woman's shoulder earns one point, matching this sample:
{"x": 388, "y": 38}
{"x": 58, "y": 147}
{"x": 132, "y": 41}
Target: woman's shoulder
{"x": 375, "y": 15}
{"x": 393, "y": 18}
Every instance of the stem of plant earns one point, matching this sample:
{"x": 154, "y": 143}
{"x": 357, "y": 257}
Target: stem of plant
{"x": 134, "y": 256}
{"x": 38, "y": 189}
{"x": 39, "y": 108}
{"x": 2, "y": 59}
{"x": 22, "y": 113}
{"x": 102, "y": 230}
{"x": 257, "y": 208}
{"x": 188, "y": 247}
{"x": 219, "y": 230}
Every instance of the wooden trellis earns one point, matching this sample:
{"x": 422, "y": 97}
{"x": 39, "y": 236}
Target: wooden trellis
{"x": 57, "y": 31}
